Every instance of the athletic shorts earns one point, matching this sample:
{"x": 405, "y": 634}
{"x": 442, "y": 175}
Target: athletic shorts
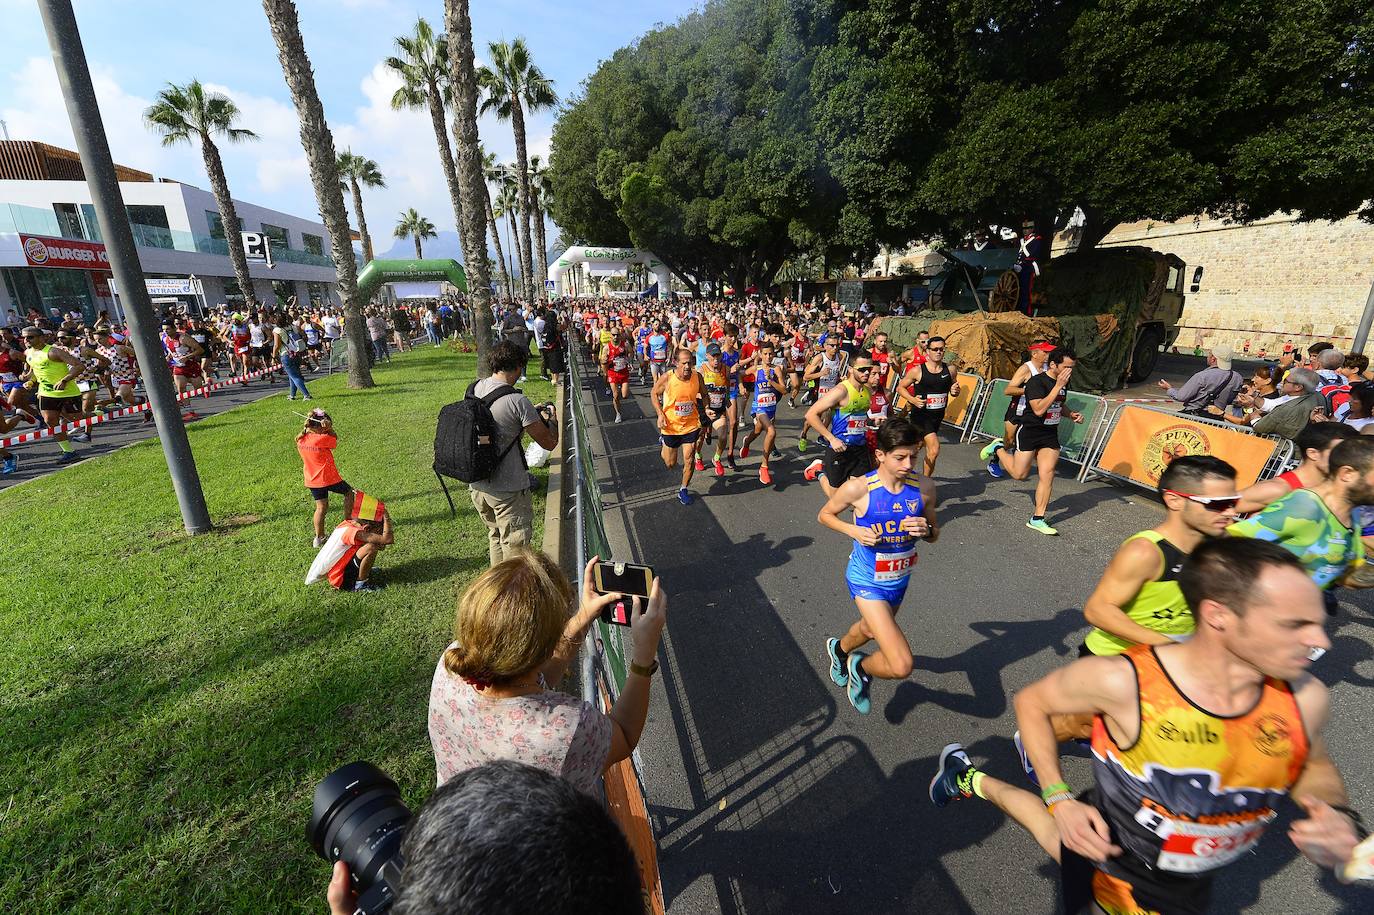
{"x": 350, "y": 574}
{"x": 677, "y": 441}
{"x": 770, "y": 412}
{"x": 876, "y": 592}
{"x": 262, "y": 352}
{"x": 1011, "y": 415}
{"x": 1035, "y": 437}
{"x": 926, "y": 422}
{"x": 187, "y": 371}
{"x": 853, "y": 461}
{"x": 618, "y": 377}
{"x": 320, "y": 493}
{"x": 121, "y": 382}
{"x": 10, "y": 386}
{"x": 60, "y": 404}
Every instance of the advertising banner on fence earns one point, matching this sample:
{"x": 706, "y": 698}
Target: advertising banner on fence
{"x": 957, "y": 411}
{"x": 1144, "y": 442}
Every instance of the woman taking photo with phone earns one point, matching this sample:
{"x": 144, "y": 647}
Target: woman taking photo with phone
{"x": 494, "y": 692}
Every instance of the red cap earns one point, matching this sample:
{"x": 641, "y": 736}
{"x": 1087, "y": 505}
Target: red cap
{"x": 1043, "y": 346}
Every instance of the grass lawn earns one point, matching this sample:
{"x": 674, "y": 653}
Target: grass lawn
{"x": 168, "y": 703}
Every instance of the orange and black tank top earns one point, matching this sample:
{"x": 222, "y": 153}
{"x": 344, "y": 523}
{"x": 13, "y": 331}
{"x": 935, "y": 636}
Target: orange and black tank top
{"x": 1196, "y": 790}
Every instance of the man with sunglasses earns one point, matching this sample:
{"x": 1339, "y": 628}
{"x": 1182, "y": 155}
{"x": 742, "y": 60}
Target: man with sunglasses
{"x": 56, "y": 370}
{"x": 924, "y": 392}
{"x": 826, "y": 369}
{"x": 847, "y": 453}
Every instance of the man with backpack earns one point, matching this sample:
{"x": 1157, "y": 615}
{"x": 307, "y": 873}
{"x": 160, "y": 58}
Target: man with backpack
{"x": 1216, "y": 385}
{"x": 500, "y": 484}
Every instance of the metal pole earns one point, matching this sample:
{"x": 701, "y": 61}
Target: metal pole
{"x": 574, "y": 386}
{"x": 1362, "y": 332}
{"x": 94, "y": 149}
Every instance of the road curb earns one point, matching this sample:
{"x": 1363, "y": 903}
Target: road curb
{"x": 553, "y": 495}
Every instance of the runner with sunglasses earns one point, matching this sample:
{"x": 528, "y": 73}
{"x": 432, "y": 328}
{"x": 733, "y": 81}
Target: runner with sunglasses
{"x": 846, "y": 455}
{"x": 826, "y": 369}
{"x": 924, "y": 394}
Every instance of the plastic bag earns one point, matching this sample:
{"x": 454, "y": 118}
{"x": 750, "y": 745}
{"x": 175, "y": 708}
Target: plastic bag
{"x": 536, "y": 455}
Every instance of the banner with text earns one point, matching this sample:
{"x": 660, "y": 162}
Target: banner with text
{"x": 1145, "y": 442}
{"x": 41, "y": 251}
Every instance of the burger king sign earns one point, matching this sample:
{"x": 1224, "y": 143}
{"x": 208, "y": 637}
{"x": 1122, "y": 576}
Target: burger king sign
{"x": 64, "y": 252}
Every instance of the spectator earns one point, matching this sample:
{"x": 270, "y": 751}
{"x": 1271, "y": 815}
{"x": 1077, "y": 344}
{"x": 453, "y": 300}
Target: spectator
{"x": 508, "y": 839}
{"x": 503, "y": 500}
{"x": 1214, "y": 386}
{"x": 347, "y": 557}
{"x": 400, "y": 322}
{"x": 1261, "y": 397}
{"x": 287, "y": 345}
{"x": 1337, "y": 396}
{"x": 513, "y": 329}
{"x": 1327, "y": 364}
{"x": 553, "y": 358}
{"x": 377, "y": 330}
{"x": 1291, "y": 417}
{"x": 492, "y": 695}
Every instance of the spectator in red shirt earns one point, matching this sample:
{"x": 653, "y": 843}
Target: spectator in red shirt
{"x": 316, "y": 445}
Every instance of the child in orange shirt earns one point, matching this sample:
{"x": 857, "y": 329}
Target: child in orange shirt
{"x": 316, "y": 445}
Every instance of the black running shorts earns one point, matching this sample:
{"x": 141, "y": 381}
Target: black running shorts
{"x": 853, "y": 461}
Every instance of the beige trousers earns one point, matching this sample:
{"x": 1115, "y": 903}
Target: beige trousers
{"x": 509, "y": 517}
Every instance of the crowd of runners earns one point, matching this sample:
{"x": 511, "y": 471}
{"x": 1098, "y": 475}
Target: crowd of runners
{"x": 1192, "y": 690}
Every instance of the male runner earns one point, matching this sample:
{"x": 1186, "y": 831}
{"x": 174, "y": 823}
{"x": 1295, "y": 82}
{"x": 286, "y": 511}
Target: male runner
{"x": 730, "y": 356}
{"x": 1194, "y": 744}
{"x": 1037, "y": 437}
{"x": 924, "y": 392}
{"x": 1315, "y": 443}
{"x": 1016, "y": 386}
{"x": 892, "y": 508}
{"x": 658, "y": 352}
{"x": 677, "y": 401}
{"x": 715, "y": 376}
{"x": 765, "y": 381}
{"x": 846, "y": 454}
{"x": 881, "y": 381}
{"x": 617, "y": 361}
{"x": 826, "y": 369}
{"x": 917, "y": 354}
{"x": 798, "y": 351}
{"x": 56, "y": 370}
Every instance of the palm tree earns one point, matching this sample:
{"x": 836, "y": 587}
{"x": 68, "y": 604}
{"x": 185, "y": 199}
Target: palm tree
{"x": 507, "y": 205}
{"x": 422, "y": 64}
{"x": 494, "y": 172}
{"x": 471, "y": 185}
{"x": 539, "y": 196}
{"x": 182, "y": 112}
{"x": 514, "y": 85}
{"x": 318, "y": 143}
{"x": 355, "y": 172}
{"x": 414, "y": 225}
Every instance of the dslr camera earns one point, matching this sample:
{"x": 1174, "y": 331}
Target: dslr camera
{"x": 357, "y": 817}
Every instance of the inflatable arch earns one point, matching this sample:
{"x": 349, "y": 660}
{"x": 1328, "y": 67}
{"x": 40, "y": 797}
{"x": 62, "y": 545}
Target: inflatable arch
{"x": 409, "y": 271}
{"x": 606, "y": 260}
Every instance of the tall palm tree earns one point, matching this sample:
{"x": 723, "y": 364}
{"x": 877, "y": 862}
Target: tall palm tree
{"x": 471, "y": 184}
{"x": 514, "y": 85}
{"x": 318, "y": 143}
{"x": 413, "y": 225}
{"x": 422, "y": 63}
{"x": 183, "y": 112}
{"x": 355, "y": 173}
{"x": 539, "y": 197}
{"x": 495, "y": 173}
{"x": 507, "y": 204}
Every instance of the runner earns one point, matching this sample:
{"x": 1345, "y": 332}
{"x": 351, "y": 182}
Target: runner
{"x": 1193, "y": 745}
{"x": 1314, "y": 443}
{"x": 658, "y": 352}
{"x": 893, "y": 507}
{"x": 715, "y": 376}
{"x": 798, "y": 352}
{"x": 1016, "y": 387}
{"x": 883, "y": 377}
{"x": 826, "y": 369}
{"x": 846, "y": 454}
{"x": 677, "y": 398}
{"x": 642, "y": 333}
{"x": 1037, "y": 437}
{"x": 765, "y": 381}
{"x": 617, "y": 363}
{"x": 917, "y": 354}
{"x": 730, "y": 356}
{"x": 924, "y": 392}
{"x": 59, "y": 401}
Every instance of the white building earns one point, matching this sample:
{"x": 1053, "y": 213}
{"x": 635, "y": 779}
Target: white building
{"x": 51, "y": 255}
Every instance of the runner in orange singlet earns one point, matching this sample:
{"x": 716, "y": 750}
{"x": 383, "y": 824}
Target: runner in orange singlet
{"x": 677, "y": 400}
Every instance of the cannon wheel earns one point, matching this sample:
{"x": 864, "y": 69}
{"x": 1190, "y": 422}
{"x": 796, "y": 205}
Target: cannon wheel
{"x": 1006, "y": 293}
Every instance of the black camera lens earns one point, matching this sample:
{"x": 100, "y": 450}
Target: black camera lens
{"x": 357, "y": 817}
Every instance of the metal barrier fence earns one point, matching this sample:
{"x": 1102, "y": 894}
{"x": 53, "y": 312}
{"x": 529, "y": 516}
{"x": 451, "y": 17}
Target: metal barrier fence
{"x": 1076, "y": 439}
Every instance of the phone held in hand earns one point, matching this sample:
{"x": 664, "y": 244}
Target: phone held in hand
{"x": 626, "y": 578}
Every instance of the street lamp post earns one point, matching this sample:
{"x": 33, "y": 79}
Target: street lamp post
{"x": 84, "y": 114}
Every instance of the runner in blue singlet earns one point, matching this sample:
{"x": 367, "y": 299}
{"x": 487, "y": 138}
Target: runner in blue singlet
{"x": 893, "y": 508}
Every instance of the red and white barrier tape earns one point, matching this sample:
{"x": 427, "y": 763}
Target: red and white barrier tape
{"x": 203, "y": 391}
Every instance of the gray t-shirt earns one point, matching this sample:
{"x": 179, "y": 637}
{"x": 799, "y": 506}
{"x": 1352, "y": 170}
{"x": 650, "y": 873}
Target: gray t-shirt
{"x": 512, "y": 413}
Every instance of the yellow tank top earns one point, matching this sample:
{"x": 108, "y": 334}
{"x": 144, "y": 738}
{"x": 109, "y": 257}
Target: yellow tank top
{"x": 1159, "y": 605}
{"x": 680, "y": 404}
{"x": 49, "y": 372}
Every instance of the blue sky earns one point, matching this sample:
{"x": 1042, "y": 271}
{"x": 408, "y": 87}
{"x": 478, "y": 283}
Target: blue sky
{"x": 136, "y": 46}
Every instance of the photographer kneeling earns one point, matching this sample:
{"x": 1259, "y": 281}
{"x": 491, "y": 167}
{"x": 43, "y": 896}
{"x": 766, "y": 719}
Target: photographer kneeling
{"x": 492, "y": 696}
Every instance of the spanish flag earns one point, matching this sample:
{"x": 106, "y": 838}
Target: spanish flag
{"x": 367, "y": 508}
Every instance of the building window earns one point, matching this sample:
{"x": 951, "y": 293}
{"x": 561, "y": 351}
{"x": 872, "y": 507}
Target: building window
{"x": 92, "y": 223}
{"x": 277, "y": 237}
{"x": 68, "y": 220}
{"x": 232, "y": 293}
{"x": 284, "y": 290}
{"x": 313, "y": 243}
{"x": 141, "y": 215}
{"x": 319, "y": 294}
{"x": 217, "y": 225}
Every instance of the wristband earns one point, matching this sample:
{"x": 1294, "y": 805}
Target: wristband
{"x": 1056, "y": 788}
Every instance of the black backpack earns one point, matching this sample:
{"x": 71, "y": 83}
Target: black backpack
{"x": 465, "y": 440}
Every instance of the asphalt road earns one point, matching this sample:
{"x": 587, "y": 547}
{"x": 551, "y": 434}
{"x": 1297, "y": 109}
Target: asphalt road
{"x": 770, "y": 794}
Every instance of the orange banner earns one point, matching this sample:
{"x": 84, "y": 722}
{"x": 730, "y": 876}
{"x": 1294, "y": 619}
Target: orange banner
{"x": 957, "y": 411}
{"x": 1144, "y": 442}
{"x": 626, "y": 802}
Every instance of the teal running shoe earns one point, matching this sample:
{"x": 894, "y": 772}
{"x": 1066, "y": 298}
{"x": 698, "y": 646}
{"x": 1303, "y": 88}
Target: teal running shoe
{"x": 837, "y": 667}
{"x": 1038, "y": 524}
{"x": 859, "y": 682}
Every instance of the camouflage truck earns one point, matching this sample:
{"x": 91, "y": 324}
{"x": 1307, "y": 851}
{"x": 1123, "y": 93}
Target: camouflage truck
{"x": 1141, "y": 289}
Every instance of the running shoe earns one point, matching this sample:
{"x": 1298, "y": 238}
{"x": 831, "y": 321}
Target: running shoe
{"x": 989, "y": 450}
{"x": 320, "y": 541}
{"x": 775, "y": 454}
{"x": 953, "y": 779}
{"x": 995, "y": 469}
{"x": 730, "y": 459}
{"x": 765, "y": 477}
{"x": 684, "y": 496}
{"x": 83, "y": 437}
{"x": 838, "y": 673}
{"x": 792, "y": 402}
{"x": 66, "y": 457}
{"x": 812, "y": 469}
{"x": 366, "y": 587}
{"x": 1039, "y": 525}
{"x": 617, "y": 418}
{"x": 718, "y": 467}
{"x": 1025, "y": 760}
{"x": 9, "y": 465}
{"x": 858, "y": 684}
{"x": 699, "y": 464}
{"x": 744, "y": 452}
{"x": 803, "y": 444}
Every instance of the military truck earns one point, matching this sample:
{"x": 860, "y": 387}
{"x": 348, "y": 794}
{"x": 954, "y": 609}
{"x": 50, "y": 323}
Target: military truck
{"x": 1141, "y": 287}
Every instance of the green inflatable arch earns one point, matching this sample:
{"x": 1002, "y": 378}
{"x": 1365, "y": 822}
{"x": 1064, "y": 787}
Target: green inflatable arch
{"x": 409, "y": 271}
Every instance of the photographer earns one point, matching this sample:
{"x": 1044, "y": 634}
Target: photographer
{"x": 503, "y": 500}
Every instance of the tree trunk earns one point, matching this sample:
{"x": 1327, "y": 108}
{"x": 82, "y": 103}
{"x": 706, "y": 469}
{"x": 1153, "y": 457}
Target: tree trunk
{"x": 419, "y": 254}
{"x": 512, "y": 246}
{"x": 324, "y": 175}
{"x": 543, "y": 252}
{"x": 496, "y": 242}
{"x": 471, "y": 185}
{"x": 362, "y": 223}
{"x": 517, "y": 119}
{"x": 436, "y": 117}
{"x": 229, "y": 218}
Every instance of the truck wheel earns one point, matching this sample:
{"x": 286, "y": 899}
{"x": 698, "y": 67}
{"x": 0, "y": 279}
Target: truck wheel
{"x": 1146, "y": 353}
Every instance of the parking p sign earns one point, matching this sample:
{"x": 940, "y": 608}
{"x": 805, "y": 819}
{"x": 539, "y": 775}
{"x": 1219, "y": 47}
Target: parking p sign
{"x": 256, "y": 248}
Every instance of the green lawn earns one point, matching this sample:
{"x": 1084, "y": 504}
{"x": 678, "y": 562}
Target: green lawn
{"x": 168, "y": 703}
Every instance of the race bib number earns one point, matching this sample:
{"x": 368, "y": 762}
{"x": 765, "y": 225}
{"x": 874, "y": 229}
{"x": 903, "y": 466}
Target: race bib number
{"x": 855, "y": 424}
{"x": 619, "y": 364}
{"x": 822, "y": 388}
{"x": 1055, "y": 413}
{"x": 683, "y": 409}
{"x": 877, "y": 405}
{"x": 890, "y": 567}
{"x": 1194, "y": 848}
{"x": 658, "y": 354}
{"x": 240, "y": 350}
{"x": 936, "y": 401}
{"x": 766, "y": 397}
{"x": 8, "y": 377}
{"x": 717, "y": 400}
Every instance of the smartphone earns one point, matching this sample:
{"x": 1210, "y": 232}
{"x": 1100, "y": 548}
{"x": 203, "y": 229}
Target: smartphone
{"x": 625, "y": 577}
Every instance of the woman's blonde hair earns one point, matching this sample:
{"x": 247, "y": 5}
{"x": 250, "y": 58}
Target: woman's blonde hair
{"x": 510, "y": 619}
